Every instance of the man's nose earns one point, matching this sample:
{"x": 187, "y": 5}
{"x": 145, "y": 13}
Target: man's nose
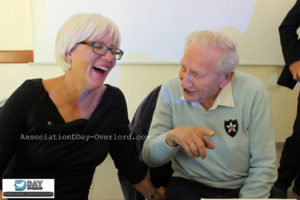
{"x": 186, "y": 79}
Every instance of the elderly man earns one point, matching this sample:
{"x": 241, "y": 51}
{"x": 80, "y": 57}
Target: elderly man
{"x": 214, "y": 124}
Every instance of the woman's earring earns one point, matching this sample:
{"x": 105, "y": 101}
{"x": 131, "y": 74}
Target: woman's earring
{"x": 68, "y": 58}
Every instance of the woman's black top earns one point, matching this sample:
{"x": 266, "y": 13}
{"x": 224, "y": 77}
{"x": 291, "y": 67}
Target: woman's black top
{"x": 36, "y": 142}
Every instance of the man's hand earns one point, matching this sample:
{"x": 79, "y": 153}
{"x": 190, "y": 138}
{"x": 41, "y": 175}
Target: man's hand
{"x": 295, "y": 70}
{"x": 191, "y": 139}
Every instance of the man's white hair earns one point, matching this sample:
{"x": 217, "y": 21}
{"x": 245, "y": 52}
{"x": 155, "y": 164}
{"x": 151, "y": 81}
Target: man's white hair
{"x": 228, "y": 60}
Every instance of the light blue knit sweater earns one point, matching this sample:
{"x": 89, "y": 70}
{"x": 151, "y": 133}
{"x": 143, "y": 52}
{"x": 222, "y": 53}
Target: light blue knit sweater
{"x": 245, "y": 161}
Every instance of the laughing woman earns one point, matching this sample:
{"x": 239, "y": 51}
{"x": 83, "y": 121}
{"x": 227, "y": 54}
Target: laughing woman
{"x": 41, "y": 117}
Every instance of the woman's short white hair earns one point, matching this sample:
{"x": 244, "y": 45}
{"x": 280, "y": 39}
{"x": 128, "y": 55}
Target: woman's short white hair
{"x": 228, "y": 60}
{"x": 81, "y": 27}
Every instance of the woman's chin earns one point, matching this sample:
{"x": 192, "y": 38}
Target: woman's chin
{"x": 96, "y": 83}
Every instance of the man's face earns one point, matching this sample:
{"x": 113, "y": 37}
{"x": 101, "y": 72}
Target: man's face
{"x": 199, "y": 79}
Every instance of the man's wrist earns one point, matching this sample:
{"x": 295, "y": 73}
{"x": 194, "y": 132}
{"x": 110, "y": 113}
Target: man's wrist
{"x": 170, "y": 142}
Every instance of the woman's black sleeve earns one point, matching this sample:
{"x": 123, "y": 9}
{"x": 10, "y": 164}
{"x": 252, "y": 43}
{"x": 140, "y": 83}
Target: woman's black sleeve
{"x": 122, "y": 151}
{"x": 12, "y": 123}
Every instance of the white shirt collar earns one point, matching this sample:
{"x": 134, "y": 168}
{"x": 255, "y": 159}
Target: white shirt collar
{"x": 224, "y": 98}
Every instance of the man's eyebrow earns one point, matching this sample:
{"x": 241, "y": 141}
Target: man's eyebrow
{"x": 195, "y": 70}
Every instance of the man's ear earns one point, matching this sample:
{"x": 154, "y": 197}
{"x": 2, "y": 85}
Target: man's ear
{"x": 226, "y": 79}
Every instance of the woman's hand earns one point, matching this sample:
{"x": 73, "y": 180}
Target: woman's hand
{"x": 146, "y": 188}
{"x": 161, "y": 190}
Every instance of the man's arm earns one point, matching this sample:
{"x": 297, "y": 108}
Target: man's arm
{"x": 155, "y": 150}
{"x": 164, "y": 140}
{"x": 262, "y": 170}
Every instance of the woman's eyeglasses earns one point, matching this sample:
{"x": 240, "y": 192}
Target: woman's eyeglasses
{"x": 101, "y": 49}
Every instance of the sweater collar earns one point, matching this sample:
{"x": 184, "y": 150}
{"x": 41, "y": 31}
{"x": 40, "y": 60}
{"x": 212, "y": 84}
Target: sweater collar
{"x": 224, "y": 98}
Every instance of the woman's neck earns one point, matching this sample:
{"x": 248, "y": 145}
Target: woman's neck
{"x": 79, "y": 94}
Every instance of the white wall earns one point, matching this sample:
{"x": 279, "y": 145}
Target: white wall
{"x": 15, "y": 21}
{"x": 251, "y": 23}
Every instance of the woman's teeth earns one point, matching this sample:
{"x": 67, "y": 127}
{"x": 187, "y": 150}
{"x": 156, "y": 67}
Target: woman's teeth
{"x": 100, "y": 69}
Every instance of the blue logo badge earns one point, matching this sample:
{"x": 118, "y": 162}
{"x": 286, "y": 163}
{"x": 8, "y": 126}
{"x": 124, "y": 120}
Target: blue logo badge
{"x": 20, "y": 185}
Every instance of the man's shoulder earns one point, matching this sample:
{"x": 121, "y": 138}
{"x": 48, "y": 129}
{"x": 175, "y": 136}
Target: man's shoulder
{"x": 171, "y": 88}
{"x": 242, "y": 80}
{"x": 247, "y": 86}
{"x": 172, "y": 82}
{"x": 248, "y": 89}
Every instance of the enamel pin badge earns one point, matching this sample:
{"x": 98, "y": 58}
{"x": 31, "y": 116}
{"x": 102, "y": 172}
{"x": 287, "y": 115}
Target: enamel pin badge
{"x": 231, "y": 127}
